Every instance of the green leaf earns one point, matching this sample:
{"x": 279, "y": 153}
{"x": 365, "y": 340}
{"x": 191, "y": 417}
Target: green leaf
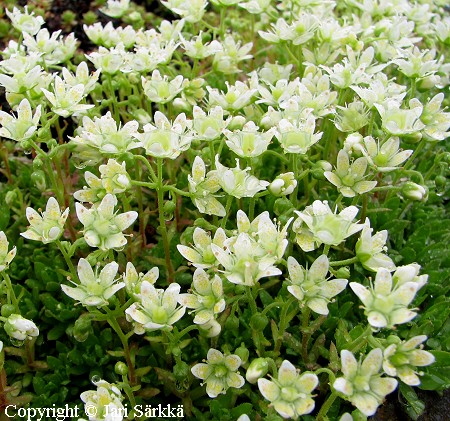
{"x": 415, "y": 406}
{"x": 437, "y": 376}
{"x": 56, "y": 332}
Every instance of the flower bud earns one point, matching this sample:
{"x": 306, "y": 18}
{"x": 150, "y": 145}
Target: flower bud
{"x": 258, "y": 368}
{"x": 258, "y": 322}
{"x": 17, "y": 327}
{"x": 7, "y": 310}
{"x": 413, "y": 191}
{"x": 236, "y": 123}
{"x": 181, "y": 371}
{"x": 243, "y": 353}
{"x": 121, "y": 368}
{"x": 343, "y": 273}
{"x": 283, "y": 185}
{"x": 38, "y": 179}
{"x": 319, "y": 168}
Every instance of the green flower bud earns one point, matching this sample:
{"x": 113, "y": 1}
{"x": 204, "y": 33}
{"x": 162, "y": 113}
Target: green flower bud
{"x": 181, "y": 370}
{"x": 121, "y": 368}
{"x": 319, "y": 168}
{"x": 10, "y": 197}
{"x": 243, "y": 353}
{"x": 259, "y": 322}
{"x": 82, "y": 327}
{"x": 232, "y": 323}
{"x": 282, "y": 206}
{"x": 39, "y": 180}
{"x": 413, "y": 191}
{"x": 258, "y": 368}
{"x": 343, "y": 273}
{"x": 37, "y": 163}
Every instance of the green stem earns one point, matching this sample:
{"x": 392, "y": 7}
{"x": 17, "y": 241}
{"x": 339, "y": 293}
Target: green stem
{"x": 68, "y": 260}
{"x": 321, "y": 416}
{"x": 306, "y": 335}
{"x": 284, "y": 321}
{"x": 148, "y": 165}
{"x": 344, "y": 262}
{"x": 162, "y": 222}
{"x": 112, "y": 320}
{"x": 10, "y": 293}
{"x": 227, "y": 211}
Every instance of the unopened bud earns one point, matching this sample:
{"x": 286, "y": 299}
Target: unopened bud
{"x": 413, "y": 191}
{"x": 258, "y": 368}
{"x": 283, "y": 185}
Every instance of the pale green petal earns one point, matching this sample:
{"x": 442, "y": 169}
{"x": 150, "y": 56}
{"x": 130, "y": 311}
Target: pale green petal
{"x": 407, "y": 375}
{"x": 201, "y": 371}
{"x": 287, "y": 374}
{"x": 318, "y": 305}
{"x": 202, "y": 317}
{"x": 235, "y": 380}
{"x": 295, "y": 270}
{"x": 201, "y": 282}
{"x": 296, "y": 291}
{"x": 108, "y": 273}
{"x": 201, "y": 238}
{"x": 214, "y": 356}
{"x": 85, "y": 272}
{"x": 189, "y": 254}
{"x": 124, "y": 220}
{"x": 214, "y": 387}
{"x": 420, "y": 358}
{"x": 383, "y": 282}
{"x": 268, "y": 389}
{"x": 366, "y": 403}
{"x": 332, "y": 288}
{"x": 343, "y": 386}
{"x": 304, "y": 406}
{"x": 285, "y": 409}
{"x": 319, "y": 269}
{"x": 362, "y": 292}
{"x": 188, "y": 300}
{"x": 383, "y": 386}
{"x": 372, "y": 363}
{"x": 233, "y": 362}
{"x": 307, "y": 382}
{"x": 170, "y": 296}
{"x": 348, "y": 363}
{"x": 377, "y": 319}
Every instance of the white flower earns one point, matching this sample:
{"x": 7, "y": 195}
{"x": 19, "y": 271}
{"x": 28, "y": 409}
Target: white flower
{"x": 156, "y": 308}
{"x": 103, "y": 404}
{"x": 202, "y": 187}
{"x": 237, "y": 182}
{"x": 209, "y": 126}
{"x": 362, "y": 383}
{"x": 160, "y": 89}
{"x": 386, "y": 302}
{"x": 23, "y": 126}
{"x": 206, "y": 298}
{"x": 237, "y": 96}
{"x": 94, "y": 289}
{"x": 102, "y": 226}
{"x": 350, "y": 179}
{"x": 297, "y": 137}
{"x": 5, "y": 255}
{"x": 200, "y": 255}
{"x": 133, "y": 280}
{"x": 323, "y": 226}
{"x": 219, "y": 373}
{"x": 283, "y": 185}
{"x": 192, "y": 11}
{"x": 248, "y": 142}
{"x": 195, "y": 48}
{"x": 17, "y": 327}
{"x": 370, "y": 249}
{"x": 165, "y": 139}
{"x": 291, "y": 393}
{"x": 109, "y": 61}
{"x": 65, "y": 99}
{"x": 245, "y": 261}
{"x": 82, "y": 76}
{"x": 25, "y": 22}
{"x": 48, "y": 227}
{"x": 311, "y": 287}
{"x": 115, "y": 178}
{"x": 226, "y": 60}
{"x": 115, "y": 8}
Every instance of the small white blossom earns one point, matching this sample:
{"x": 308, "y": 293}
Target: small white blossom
{"x": 47, "y": 227}
{"x": 401, "y": 358}
{"x": 156, "y": 308}
{"x": 160, "y": 89}
{"x": 105, "y": 403}
{"x": 290, "y": 393}
{"x": 24, "y": 21}
{"x": 165, "y": 139}
{"x": 311, "y": 287}
{"x": 116, "y": 8}
{"x": 323, "y": 226}
{"x": 23, "y": 126}
{"x": 362, "y": 383}
{"x": 102, "y": 226}
{"x": 236, "y": 182}
{"x": 94, "y": 289}
{"x": 219, "y": 373}
{"x": 65, "y": 99}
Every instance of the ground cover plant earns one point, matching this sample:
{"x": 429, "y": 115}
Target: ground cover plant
{"x": 223, "y": 210}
